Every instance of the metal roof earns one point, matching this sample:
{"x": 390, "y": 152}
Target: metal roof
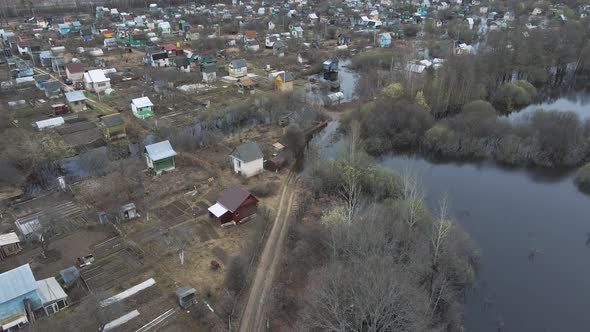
{"x": 16, "y": 282}
{"x": 49, "y": 290}
{"x": 142, "y": 102}
{"x": 231, "y": 198}
{"x": 247, "y": 152}
{"x": 217, "y": 210}
{"x": 96, "y": 75}
{"x": 74, "y": 96}
{"x": 159, "y": 151}
{"x": 8, "y": 238}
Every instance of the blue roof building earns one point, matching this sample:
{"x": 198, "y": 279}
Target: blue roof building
{"x": 17, "y": 286}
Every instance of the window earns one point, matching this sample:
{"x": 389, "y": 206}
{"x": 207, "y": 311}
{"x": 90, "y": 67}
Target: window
{"x": 239, "y": 163}
{"x": 101, "y": 84}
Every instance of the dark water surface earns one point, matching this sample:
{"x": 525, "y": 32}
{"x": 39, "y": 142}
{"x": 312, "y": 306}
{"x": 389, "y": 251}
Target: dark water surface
{"x": 530, "y": 227}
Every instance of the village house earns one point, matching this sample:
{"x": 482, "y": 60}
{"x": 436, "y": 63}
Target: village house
{"x": 247, "y": 159}
{"x": 96, "y": 81}
{"x": 246, "y": 85}
{"x": 113, "y": 126}
{"x": 284, "y": 82}
{"x": 109, "y": 43}
{"x": 233, "y": 206}
{"x": 137, "y": 39}
{"x": 160, "y": 157}
{"x": 142, "y": 107}
{"x": 297, "y": 32}
{"x": 22, "y": 296}
{"x": 52, "y": 89}
{"x": 209, "y": 71}
{"x": 75, "y": 71}
{"x": 238, "y": 68}
{"x": 183, "y": 64}
{"x": 165, "y": 28}
{"x": 158, "y": 59}
{"x": 9, "y": 245}
{"x": 76, "y": 100}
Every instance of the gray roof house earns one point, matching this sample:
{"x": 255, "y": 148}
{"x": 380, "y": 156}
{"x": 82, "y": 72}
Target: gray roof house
{"x": 76, "y": 100}
{"x": 247, "y": 159}
{"x": 160, "y": 157}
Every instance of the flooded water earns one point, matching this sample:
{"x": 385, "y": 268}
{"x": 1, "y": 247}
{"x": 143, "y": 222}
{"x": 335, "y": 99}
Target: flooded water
{"x": 347, "y": 78}
{"x": 578, "y": 103}
{"x": 531, "y": 231}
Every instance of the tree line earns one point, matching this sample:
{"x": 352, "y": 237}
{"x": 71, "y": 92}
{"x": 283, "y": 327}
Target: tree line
{"x": 378, "y": 259}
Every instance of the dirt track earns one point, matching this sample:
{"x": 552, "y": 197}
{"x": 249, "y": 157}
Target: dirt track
{"x": 253, "y": 315}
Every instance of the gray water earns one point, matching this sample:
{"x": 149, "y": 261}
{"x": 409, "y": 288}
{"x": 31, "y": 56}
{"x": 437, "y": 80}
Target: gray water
{"x": 578, "y": 103}
{"x": 510, "y": 214}
{"x": 348, "y": 79}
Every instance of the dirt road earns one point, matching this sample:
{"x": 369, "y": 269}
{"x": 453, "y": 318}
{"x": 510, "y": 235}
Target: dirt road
{"x": 254, "y": 314}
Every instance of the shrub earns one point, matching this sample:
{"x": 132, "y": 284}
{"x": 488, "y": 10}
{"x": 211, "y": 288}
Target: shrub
{"x": 582, "y": 179}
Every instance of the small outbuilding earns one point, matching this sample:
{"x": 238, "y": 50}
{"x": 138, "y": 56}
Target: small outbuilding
{"x": 187, "y": 296}
{"x": 128, "y": 212}
{"x": 142, "y": 107}
{"x": 9, "y": 245}
{"x": 284, "y": 82}
{"x": 160, "y": 157}
{"x": 113, "y": 127}
{"x": 75, "y": 71}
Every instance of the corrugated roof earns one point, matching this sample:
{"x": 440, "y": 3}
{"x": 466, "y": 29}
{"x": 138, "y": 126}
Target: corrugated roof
{"x": 16, "y": 282}
{"x": 247, "y": 152}
{"x": 74, "y": 96}
{"x": 49, "y": 290}
{"x": 159, "y": 151}
{"x": 231, "y": 198}
{"x": 8, "y": 238}
{"x": 142, "y": 102}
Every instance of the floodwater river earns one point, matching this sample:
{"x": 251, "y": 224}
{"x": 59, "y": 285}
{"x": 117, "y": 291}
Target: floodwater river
{"x": 532, "y": 230}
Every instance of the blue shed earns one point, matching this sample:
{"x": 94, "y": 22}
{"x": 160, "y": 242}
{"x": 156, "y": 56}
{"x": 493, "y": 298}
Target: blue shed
{"x": 16, "y": 286}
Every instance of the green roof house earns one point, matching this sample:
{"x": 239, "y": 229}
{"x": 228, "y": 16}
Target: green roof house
{"x": 142, "y": 107}
{"x": 160, "y": 157}
{"x": 137, "y": 39}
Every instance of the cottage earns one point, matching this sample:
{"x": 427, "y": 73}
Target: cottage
{"x": 96, "y": 81}
{"x": 76, "y": 100}
{"x": 137, "y": 39}
{"x": 142, "y": 107}
{"x": 234, "y": 206}
{"x": 60, "y": 109}
{"x": 252, "y": 45}
{"x": 158, "y": 59}
{"x": 160, "y": 157}
{"x": 270, "y": 40}
{"x": 41, "y": 79}
{"x": 186, "y": 296}
{"x": 247, "y": 159}
{"x": 58, "y": 64}
{"x": 75, "y": 71}
{"x": 238, "y": 68}
{"x": 9, "y": 245}
{"x": 86, "y": 34}
{"x": 113, "y": 127}
{"x": 52, "y": 89}
{"x": 278, "y": 49}
{"x": 284, "y": 82}
{"x": 165, "y": 28}
{"x": 183, "y": 64}
{"x": 297, "y": 32}
{"x": 385, "y": 39}
{"x": 109, "y": 43}
{"x": 246, "y": 85}
{"x": 209, "y": 71}
{"x": 22, "y": 295}
{"x": 24, "y": 69}
{"x": 64, "y": 28}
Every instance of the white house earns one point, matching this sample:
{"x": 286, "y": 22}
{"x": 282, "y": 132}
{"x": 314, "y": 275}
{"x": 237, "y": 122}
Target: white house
{"x": 96, "y": 81}
{"x": 247, "y": 159}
